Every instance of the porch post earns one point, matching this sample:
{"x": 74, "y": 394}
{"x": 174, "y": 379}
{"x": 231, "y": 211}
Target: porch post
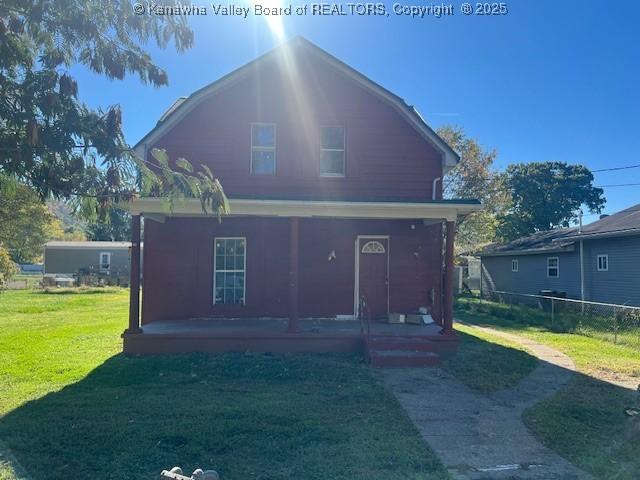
{"x": 447, "y": 323}
{"x": 134, "y": 282}
{"x": 293, "y": 273}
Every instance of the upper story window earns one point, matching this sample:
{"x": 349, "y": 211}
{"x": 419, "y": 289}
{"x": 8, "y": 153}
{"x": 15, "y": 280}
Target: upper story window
{"x": 603, "y": 263}
{"x": 263, "y": 148}
{"x": 332, "y": 158}
{"x": 553, "y": 267}
{"x": 514, "y": 265}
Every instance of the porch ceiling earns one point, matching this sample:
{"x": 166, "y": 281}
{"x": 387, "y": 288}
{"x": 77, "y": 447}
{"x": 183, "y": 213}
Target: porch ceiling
{"x": 450, "y": 210}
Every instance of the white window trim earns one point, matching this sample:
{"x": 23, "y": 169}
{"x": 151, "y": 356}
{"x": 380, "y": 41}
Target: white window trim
{"x": 104, "y": 270}
{"x": 515, "y": 263}
{"x": 606, "y": 258}
{"x": 264, "y": 149}
{"x": 557, "y": 267}
{"x": 343, "y": 150}
{"x": 215, "y": 270}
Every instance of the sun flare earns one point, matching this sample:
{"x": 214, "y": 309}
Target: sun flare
{"x": 271, "y": 11}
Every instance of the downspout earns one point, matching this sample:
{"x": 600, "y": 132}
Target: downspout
{"x": 433, "y": 188}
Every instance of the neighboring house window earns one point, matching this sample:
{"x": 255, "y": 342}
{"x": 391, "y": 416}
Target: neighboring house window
{"x": 229, "y": 266}
{"x": 603, "y": 263}
{"x": 553, "y": 267}
{"x": 514, "y": 265}
{"x": 263, "y": 148}
{"x": 332, "y": 160}
{"x": 105, "y": 261}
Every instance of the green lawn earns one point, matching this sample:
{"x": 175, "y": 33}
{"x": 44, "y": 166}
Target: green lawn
{"x": 74, "y": 407}
{"x": 488, "y": 363}
{"x": 585, "y": 421}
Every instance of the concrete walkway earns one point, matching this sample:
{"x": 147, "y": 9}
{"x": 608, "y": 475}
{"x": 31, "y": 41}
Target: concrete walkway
{"x": 480, "y": 436}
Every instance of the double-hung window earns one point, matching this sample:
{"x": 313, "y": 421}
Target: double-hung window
{"x": 230, "y": 267}
{"x": 603, "y": 263}
{"x": 105, "y": 262}
{"x": 553, "y": 267}
{"x": 332, "y": 158}
{"x": 263, "y": 148}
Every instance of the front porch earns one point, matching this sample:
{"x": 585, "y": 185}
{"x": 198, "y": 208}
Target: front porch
{"x": 277, "y": 308}
{"x": 420, "y": 343}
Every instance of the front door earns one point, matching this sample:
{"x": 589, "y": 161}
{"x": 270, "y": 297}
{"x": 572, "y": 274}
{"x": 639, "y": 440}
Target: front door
{"x": 373, "y": 279}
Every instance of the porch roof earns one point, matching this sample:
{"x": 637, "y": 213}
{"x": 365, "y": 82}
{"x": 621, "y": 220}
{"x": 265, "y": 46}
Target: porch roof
{"x": 450, "y": 210}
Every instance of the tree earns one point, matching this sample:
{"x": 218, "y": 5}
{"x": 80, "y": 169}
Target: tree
{"x": 116, "y": 228}
{"x": 25, "y": 222}
{"x": 546, "y": 195}
{"x": 52, "y": 141}
{"x": 66, "y": 225}
{"x": 474, "y": 177}
{"x": 7, "y": 266}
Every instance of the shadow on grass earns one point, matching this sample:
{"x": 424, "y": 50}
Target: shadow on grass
{"x": 247, "y": 416}
{"x": 486, "y": 366}
{"x": 585, "y": 421}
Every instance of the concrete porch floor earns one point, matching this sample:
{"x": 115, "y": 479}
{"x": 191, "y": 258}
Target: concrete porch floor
{"x": 278, "y": 327}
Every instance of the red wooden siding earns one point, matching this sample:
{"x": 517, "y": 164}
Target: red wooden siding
{"x": 385, "y": 157}
{"x": 178, "y": 283}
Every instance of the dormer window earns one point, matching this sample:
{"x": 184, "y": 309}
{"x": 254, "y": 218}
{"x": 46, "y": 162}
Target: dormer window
{"x": 332, "y": 158}
{"x": 263, "y": 148}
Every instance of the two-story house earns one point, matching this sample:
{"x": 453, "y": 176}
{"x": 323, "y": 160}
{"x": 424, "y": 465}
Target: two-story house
{"x": 335, "y": 189}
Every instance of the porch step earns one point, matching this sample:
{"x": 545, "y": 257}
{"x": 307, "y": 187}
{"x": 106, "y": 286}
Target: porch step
{"x": 403, "y": 358}
{"x": 382, "y": 343}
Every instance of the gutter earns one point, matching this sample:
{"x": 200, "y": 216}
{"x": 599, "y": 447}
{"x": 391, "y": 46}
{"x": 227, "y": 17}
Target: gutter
{"x": 568, "y": 248}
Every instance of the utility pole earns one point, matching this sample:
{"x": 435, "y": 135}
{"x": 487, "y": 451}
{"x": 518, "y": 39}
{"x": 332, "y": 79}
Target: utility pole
{"x": 580, "y": 213}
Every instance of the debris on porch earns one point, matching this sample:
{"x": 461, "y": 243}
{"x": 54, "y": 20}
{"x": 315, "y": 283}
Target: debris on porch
{"x": 176, "y": 474}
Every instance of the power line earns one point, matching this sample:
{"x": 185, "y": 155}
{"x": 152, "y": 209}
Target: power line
{"x": 615, "y": 168}
{"x": 619, "y": 185}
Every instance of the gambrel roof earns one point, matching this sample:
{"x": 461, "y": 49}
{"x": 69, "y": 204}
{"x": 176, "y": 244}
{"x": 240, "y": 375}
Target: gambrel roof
{"x": 183, "y": 105}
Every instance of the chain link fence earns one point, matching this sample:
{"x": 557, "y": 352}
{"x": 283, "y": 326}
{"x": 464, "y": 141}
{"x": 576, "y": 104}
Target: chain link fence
{"x": 618, "y": 324}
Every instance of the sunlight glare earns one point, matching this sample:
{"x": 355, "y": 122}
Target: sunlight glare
{"x": 274, "y": 21}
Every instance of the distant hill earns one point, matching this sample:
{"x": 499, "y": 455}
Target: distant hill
{"x": 72, "y": 227}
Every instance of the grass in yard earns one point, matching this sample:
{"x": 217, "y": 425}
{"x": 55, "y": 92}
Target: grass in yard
{"x": 585, "y": 421}
{"x": 593, "y": 356}
{"x": 74, "y": 407}
{"x": 488, "y": 363}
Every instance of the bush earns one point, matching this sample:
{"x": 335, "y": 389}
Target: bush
{"x": 7, "y": 267}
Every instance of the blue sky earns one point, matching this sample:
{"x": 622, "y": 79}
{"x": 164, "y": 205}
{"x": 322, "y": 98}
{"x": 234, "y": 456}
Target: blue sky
{"x": 550, "y": 80}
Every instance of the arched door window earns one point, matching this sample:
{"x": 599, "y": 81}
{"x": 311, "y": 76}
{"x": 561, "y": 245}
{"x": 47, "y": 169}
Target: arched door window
{"x": 373, "y": 246}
